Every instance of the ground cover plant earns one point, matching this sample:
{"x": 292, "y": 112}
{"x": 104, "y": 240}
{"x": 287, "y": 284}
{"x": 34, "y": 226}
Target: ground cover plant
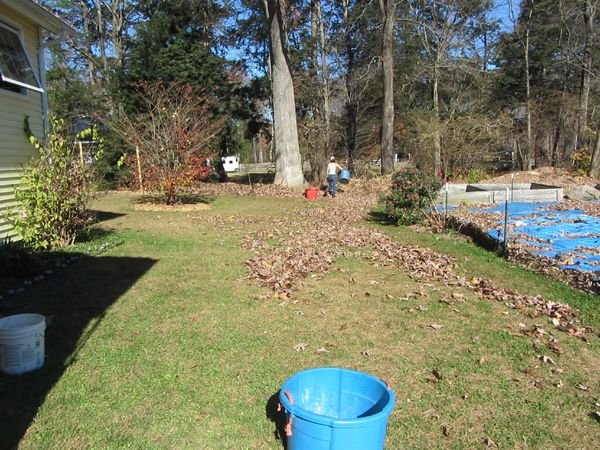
{"x": 181, "y": 336}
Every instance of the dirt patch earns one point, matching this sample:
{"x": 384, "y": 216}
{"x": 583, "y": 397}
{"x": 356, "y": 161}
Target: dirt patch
{"x": 161, "y": 207}
{"x": 545, "y": 175}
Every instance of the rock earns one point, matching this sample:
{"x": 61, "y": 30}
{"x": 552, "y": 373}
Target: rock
{"x": 583, "y": 193}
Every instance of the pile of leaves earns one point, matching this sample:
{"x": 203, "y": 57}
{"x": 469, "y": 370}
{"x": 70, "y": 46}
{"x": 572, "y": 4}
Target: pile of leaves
{"x": 246, "y": 190}
{"x": 590, "y": 208}
{"x": 287, "y": 254}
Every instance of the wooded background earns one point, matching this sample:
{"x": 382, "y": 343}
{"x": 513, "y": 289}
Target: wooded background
{"x": 457, "y": 86}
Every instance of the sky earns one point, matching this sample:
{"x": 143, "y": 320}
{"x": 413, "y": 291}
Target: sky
{"x": 502, "y": 12}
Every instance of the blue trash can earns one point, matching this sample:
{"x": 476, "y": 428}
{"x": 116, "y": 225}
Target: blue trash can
{"x": 344, "y": 176}
{"x": 336, "y": 409}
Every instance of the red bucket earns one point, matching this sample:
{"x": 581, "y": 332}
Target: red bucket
{"x": 312, "y": 193}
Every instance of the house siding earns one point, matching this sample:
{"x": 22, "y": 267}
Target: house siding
{"x": 15, "y": 150}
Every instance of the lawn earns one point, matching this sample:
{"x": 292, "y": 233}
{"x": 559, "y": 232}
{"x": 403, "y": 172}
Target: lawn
{"x": 168, "y": 338}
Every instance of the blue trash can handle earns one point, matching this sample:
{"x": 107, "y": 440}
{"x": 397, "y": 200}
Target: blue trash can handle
{"x": 288, "y": 425}
{"x": 387, "y": 385}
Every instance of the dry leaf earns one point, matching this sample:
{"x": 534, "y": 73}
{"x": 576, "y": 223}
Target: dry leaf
{"x": 436, "y": 326}
{"x": 581, "y": 387}
{"x": 322, "y": 350}
{"x": 300, "y": 347}
{"x": 546, "y": 359}
{"x": 489, "y": 443}
{"x": 365, "y": 353}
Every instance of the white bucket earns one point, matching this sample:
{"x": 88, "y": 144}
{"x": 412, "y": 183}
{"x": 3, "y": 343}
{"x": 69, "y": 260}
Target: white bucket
{"x": 22, "y": 343}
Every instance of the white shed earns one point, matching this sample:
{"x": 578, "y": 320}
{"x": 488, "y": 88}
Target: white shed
{"x": 230, "y": 163}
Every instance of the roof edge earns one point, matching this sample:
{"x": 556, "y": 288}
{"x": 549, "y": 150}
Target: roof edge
{"x": 40, "y": 15}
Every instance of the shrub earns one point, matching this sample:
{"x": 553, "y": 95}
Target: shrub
{"x": 582, "y": 161}
{"x": 411, "y": 191}
{"x": 53, "y": 193}
{"x": 476, "y": 175}
{"x": 175, "y": 131}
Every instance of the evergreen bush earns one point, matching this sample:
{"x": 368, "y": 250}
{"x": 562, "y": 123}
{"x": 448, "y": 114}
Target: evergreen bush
{"x": 410, "y": 192}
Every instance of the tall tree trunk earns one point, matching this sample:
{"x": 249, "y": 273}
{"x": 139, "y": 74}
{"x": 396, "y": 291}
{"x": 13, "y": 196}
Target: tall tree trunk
{"x": 87, "y": 32}
{"x": 288, "y": 164}
{"x": 560, "y": 125}
{"x": 101, "y": 38}
{"x": 595, "y": 165}
{"x": 388, "y": 16}
{"x": 437, "y": 137}
{"x": 529, "y": 154}
{"x": 324, "y": 78}
{"x": 586, "y": 73}
{"x": 351, "y": 105}
{"x": 319, "y": 171}
{"x": 118, "y": 12}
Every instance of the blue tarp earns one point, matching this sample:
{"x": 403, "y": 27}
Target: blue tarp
{"x": 571, "y": 237}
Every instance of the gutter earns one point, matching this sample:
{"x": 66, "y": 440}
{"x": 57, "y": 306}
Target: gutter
{"x": 44, "y": 43}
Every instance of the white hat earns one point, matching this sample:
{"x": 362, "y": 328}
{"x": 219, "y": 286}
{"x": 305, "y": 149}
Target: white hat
{"x": 332, "y": 158}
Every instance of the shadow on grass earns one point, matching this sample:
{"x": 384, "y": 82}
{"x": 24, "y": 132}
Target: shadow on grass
{"x": 379, "y": 217}
{"x": 74, "y": 301}
{"x": 103, "y": 216}
{"x": 182, "y": 199}
{"x": 92, "y": 234}
{"x": 252, "y": 178}
{"x": 277, "y": 417}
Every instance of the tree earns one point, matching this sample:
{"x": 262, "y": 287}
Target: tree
{"x": 176, "y": 43}
{"x": 523, "y": 32}
{"x": 173, "y": 131}
{"x": 447, "y": 30}
{"x": 595, "y": 163}
{"x": 388, "y": 14}
{"x": 288, "y": 165}
{"x": 99, "y": 46}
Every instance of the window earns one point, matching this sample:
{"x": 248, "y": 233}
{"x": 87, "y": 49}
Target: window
{"x": 15, "y": 68}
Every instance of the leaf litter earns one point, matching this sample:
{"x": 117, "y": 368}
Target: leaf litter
{"x": 288, "y": 252}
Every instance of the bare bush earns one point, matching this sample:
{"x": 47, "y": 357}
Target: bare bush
{"x": 174, "y": 130}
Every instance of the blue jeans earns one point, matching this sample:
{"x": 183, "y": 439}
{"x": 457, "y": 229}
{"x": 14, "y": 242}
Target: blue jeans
{"x": 331, "y": 184}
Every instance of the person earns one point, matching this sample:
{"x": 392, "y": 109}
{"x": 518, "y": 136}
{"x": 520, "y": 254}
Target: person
{"x": 332, "y": 170}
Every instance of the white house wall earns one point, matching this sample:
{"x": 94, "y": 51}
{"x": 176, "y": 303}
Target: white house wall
{"x": 15, "y": 151}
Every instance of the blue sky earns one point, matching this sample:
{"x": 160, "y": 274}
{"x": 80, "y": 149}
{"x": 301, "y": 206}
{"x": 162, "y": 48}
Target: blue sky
{"x": 501, "y": 12}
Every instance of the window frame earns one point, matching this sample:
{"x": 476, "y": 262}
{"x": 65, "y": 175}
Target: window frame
{"x": 19, "y": 84}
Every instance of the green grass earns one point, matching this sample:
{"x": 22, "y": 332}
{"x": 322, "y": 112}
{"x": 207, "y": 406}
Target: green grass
{"x": 161, "y": 342}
